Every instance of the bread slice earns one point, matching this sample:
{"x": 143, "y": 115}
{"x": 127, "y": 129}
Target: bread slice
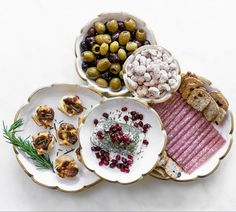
{"x": 211, "y": 111}
{"x": 172, "y": 169}
{"x": 199, "y": 99}
{"x": 220, "y": 118}
{"x": 189, "y": 80}
{"x": 188, "y": 89}
{"x": 220, "y": 99}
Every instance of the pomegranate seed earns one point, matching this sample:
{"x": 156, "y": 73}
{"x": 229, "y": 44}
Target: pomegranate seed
{"x": 106, "y": 162}
{"x": 136, "y": 124}
{"x": 144, "y": 130}
{"x": 129, "y": 162}
{"x": 146, "y": 126}
{"x": 141, "y": 116}
{"x": 126, "y": 118}
{"x": 95, "y": 121}
{"x": 99, "y": 133}
{"x": 140, "y": 123}
{"x": 120, "y": 133}
{"x": 102, "y": 152}
{"x": 100, "y": 163}
{"x": 126, "y": 169}
{"x": 101, "y": 137}
{"x": 97, "y": 148}
{"x": 98, "y": 155}
{"x": 93, "y": 148}
{"x": 130, "y": 157}
{"x": 112, "y": 165}
{"x": 126, "y": 138}
{"x": 105, "y": 115}
{"x": 117, "y": 157}
{"x": 119, "y": 165}
{"x": 114, "y": 161}
{"x": 124, "y": 160}
{"x": 124, "y": 109}
{"x": 145, "y": 142}
{"x": 118, "y": 128}
{"x": 133, "y": 113}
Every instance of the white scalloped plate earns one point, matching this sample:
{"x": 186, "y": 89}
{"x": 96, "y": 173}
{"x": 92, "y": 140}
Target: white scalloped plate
{"x": 210, "y": 166}
{"x": 105, "y": 17}
{"x": 51, "y": 96}
{"x": 142, "y": 165}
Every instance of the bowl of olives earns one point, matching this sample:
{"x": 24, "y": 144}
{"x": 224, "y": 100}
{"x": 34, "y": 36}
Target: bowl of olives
{"x": 103, "y": 47}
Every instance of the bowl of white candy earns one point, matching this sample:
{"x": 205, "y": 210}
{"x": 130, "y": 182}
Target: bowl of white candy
{"x": 151, "y": 73}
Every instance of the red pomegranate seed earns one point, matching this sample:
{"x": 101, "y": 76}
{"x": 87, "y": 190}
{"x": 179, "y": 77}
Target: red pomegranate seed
{"x": 105, "y": 115}
{"x": 120, "y": 133}
{"x": 133, "y": 113}
{"x": 105, "y": 162}
{"x": 100, "y": 163}
{"x": 93, "y": 148}
{"x": 140, "y": 123}
{"x": 95, "y": 121}
{"x": 146, "y": 126}
{"x": 130, "y": 157}
{"x": 145, "y": 142}
{"x": 124, "y": 160}
{"x": 117, "y": 157}
{"x": 126, "y": 138}
{"x": 126, "y": 169}
{"x": 101, "y": 137}
{"x": 98, "y": 155}
{"x": 126, "y": 118}
{"x": 141, "y": 116}
{"x": 136, "y": 124}
{"x": 112, "y": 165}
{"x": 119, "y": 165}
{"x": 114, "y": 161}
{"x": 97, "y": 148}
{"x": 129, "y": 162}
{"x": 102, "y": 152}
{"x": 124, "y": 109}
{"x": 99, "y": 133}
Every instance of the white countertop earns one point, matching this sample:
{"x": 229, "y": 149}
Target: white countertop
{"x": 36, "y": 49}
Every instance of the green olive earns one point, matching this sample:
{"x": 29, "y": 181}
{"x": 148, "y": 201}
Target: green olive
{"x": 131, "y": 46}
{"x": 121, "y": 74}
{"x": 115, "y": 68}
{"x": 115, "y": 84}
{"x": 99, "y": 27}
{"x": 92, "y": 73}
{"x": 103, "y": 39}
{"x": 112, "y": 26}
{"x": 114, "y": 46}
{"x": 124, "y": 37}
{"x": 140, "y": 35}
{"x": 96, "y": 49}
{"x": 122, "y": 54}
{"x": 103, "y": 64}
{"x": 130, "y": 24}
{"x": 88, "y": 56}
{"x": 104, "y": 48}
{"x": 102, "y": 83}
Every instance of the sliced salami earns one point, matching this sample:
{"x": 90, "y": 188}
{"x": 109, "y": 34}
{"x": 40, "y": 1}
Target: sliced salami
{"x": 192, "y": 143}
{"x": 206, "y": 156}
{"x": 201, "y": 145}
{"x": 189, "y": 128}
{"x": 189, "y": 139}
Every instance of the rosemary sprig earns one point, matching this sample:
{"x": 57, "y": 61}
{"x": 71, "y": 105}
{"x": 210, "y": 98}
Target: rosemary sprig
{"x": 23, "y": 144}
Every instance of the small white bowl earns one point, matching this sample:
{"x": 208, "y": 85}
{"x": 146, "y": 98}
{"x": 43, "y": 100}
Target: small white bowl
{"x": 146, "y": 99}
{"x": 121, "y": 16}
{"x": 144, "y": 163}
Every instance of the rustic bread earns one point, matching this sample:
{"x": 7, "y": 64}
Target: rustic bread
{"x": 199, "y": 99}
{"x": 188, "y": 89}
{"x": 220, "y": 99}
{"x": 220, "y": 118}
{"x": 211, "y": 111}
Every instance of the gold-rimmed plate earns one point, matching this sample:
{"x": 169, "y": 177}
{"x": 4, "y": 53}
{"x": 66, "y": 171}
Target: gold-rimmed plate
{"x": 51, "y": 96}
{"x": 144, "y": 158}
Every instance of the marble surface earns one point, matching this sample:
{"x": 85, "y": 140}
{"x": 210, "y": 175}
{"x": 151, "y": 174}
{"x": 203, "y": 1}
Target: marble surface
{"x": 36, "y": 49}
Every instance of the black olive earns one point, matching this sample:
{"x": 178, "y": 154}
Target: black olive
{"x": 106, "y": 75}
{"x": 115, "y": 36}
{"x": 133, "y": 34}
{"x": 138, "y": 43}
{"x": 85, "y": 66}
{"x": 121, "y": 25}
{"x": 146, "y": 42}
{"x": 98, "y": 57}
{"x": 90, "y": 40}
{"x": 113, "y": 58}
{"x": 83, "y": 46}
{"x": 91, "y": 31}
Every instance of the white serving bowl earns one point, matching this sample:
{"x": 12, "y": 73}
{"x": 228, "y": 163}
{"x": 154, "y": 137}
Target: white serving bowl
{"x": 146, "y": 99}
{"x": 121, "y": 16}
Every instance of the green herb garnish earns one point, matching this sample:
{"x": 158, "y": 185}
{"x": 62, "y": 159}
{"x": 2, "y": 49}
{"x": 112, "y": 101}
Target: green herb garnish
{"x": 24, "y": 145}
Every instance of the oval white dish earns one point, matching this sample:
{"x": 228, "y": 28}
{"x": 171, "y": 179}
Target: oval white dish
{"x": 51, "y": 96}
{"x": 141, "y": 165}
{"x": 104, "y": 17}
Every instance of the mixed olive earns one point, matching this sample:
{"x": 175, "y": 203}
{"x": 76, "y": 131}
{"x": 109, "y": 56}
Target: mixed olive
{"x": 105, "y": 49}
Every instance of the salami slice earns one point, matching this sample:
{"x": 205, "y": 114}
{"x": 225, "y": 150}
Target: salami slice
{"x": 189, "y": 139}
{"x": 206, "y": 156}
{"x": 192, "y": 143}
{"x": 189, "y": 128}
{"x": 200, "y": 146}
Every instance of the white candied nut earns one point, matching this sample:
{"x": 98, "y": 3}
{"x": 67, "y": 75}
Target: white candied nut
{"x": 129, "y": 67}
{"x": 150, "y": 83}
{"x": 130, "y": 72}
{"x": 164, "y": 87}
{"x": 173, "y": 66}
{"x": 147, "y": 77}
{"x": 164, "y": 65}
{"x": 135, "y": 63}
{"x": 165, "y": 57}
{"x": 157, "y": 61}
{"x": 174, "y": 74}
{"x": 169, "y": 60}
{"x": 148, "y": 61}
{"x": 163, "y": 76}
{"x": 174, "y": 85}
{"x": 143, "y": 60}
{"x": 169, "y": 74}
{"x": 145, "y": 53}
{"x": 137, "y": 57}
{"x": 140, "y": 70}
{"x": 172, "y": 81}
{"x": 156, "y": 67}
{"x": 142, "y": 90}
{"x": 154, "y": 91}
{"x": 132, "y": 83}
{"x": 152, "y": 52}
{"x": 149, "y": 67}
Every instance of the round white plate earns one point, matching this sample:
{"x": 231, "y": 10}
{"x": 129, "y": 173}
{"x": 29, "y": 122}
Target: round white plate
{"x": 142, "y": 165}
{"x": 121, "y": 16}
{"x": 51, "y": 96}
